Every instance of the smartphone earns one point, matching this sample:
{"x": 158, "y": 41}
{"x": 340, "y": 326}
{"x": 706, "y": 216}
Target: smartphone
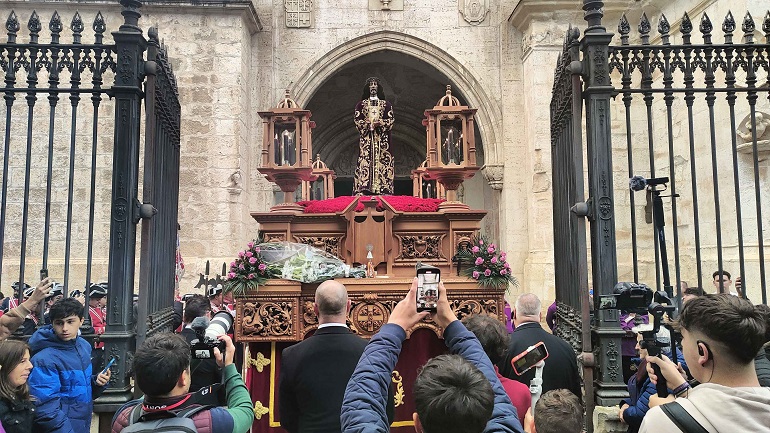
{"x": 527, "y": 359}
{"x": 43, "y": 274}
{"x": 427, "y": 288}
{"x": 109, "y": 364}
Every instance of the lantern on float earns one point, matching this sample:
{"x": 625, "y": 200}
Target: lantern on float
{"x": 321, "y": 188}
{"x": 451, "y": 146}
{"x": 286, "y": 148}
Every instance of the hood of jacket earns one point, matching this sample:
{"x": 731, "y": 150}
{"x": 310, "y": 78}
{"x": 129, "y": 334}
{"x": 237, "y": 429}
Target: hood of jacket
{"x": 732, "y": 409}
{"x": 45, "y": 337}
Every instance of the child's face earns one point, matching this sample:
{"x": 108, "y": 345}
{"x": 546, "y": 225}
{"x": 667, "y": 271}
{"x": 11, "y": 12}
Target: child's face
{"x": 19, "y": 375}
{"x": 67, "y": 329}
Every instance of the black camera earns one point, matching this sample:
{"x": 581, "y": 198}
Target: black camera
{"x": 207, "y": 333}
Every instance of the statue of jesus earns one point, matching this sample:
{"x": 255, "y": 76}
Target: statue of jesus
{"x": 374, "y": 120}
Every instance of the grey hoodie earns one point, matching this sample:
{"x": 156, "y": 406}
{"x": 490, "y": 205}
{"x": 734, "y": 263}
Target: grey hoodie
{"x": 718, "y": 409}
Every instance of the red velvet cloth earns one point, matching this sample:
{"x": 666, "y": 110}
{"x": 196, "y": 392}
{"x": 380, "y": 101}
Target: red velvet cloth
{"x": 518, "y": 393}
{"x": 263, "y": 386}
{"x": 402, "y": 203}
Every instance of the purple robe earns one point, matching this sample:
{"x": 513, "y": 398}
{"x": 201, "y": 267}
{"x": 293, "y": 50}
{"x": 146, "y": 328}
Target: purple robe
{"x": 374, "y": 172}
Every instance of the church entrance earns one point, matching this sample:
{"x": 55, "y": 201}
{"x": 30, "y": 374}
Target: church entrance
{"x": 410, "y": 84}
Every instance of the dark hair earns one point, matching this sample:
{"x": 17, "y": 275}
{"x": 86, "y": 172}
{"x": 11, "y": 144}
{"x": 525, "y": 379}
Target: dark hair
{"x": 714, "y": 275}
{"x": 764, "y": 310}
{"x": 491, "y": 334}
{"x": 380, "y": 91}
{"x": 196, "y": 306}
{"x": 159, "y": 362}
{"x": 729, "y": 320}
{"x": 452, "y": 395}
{"x": 64, "y": 308}
{"x": 11, "y": 354}
{"x": 696, "y": 291}
{"x": 558, "y": 411}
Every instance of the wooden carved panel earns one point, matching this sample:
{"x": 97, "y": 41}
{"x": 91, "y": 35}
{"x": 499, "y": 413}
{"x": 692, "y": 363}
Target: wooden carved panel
{"x": 267, "y": 320}
{"x": 414, "y": 247}
{"x": 274, "y": 237}
{"x": 463, "y": 239}
{"x": 330, "y": 244}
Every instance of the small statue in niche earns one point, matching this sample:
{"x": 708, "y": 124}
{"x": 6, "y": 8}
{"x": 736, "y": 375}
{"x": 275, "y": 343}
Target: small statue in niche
{"x": 763, "y": 125}
{"x": 236, "y": 182}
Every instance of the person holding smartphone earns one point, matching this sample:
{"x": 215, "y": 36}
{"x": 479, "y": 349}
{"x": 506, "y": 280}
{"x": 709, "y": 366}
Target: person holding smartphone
{"x": 16, "y": 315}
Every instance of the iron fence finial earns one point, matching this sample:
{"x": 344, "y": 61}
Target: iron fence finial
{"x": 766, "y": 27}
{"x": 624, "y": 28}
{"x": 645, "y": 28}
{"x": 748, "y": 23}
{"x": 34, "y": 27}
{"x": 55, "y": 26}
{"x": 77, "y": 28}
{"x": 12, "y": 25}
{"x": 706, "y": 27}
{"x": 728, "y": 26}
{"x": 99, "y": 27}
{"x": 663, "y": 28}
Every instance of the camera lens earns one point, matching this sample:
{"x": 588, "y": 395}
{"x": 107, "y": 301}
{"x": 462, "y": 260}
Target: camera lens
{"x": 220, "y": 324}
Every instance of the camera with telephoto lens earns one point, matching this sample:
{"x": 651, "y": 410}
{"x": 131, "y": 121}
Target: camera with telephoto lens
{"x": 207, "y": 333}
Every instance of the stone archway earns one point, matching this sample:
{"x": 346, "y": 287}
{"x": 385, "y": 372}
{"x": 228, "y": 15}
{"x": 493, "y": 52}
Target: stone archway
{"x": 488, "y": 117}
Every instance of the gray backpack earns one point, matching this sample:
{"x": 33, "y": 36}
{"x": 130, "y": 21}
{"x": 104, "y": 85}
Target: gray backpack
{"x": 162, "y": 421}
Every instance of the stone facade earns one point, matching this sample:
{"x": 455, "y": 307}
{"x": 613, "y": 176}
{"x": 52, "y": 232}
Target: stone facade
{"x": 236, "y": 58}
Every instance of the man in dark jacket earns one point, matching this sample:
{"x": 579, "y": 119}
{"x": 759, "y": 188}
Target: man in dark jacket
{"x": 453, "y": 393}
{"x": 560, "y": 369}
{"x": 314, "y": 372}
{"x": 204, "y": 372}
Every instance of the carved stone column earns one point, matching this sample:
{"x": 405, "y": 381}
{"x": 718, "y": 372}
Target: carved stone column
{"x": 493, "y": 173}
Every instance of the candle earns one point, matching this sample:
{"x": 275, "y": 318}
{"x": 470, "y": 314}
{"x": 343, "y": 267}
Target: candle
{"x": 224, "y": 268}
{"x": 207, "y": 268}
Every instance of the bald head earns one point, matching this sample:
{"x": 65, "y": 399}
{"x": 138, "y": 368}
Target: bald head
{"x": 527, "y": 308}
{"x": 331, "y": 299}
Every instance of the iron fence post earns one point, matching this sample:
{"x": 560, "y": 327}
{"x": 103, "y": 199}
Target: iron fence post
{"x": 127, "y": 92}
{"x": 597, "y": 93}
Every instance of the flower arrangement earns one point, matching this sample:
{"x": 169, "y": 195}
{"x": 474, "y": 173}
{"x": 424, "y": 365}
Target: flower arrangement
{"x": 488, "y": 265}
{"x": 249, "y": 270}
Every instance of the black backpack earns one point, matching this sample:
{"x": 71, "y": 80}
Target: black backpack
{"x": 162, "y": 421}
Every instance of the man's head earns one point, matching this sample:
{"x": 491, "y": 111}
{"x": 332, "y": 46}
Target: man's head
{"x": 197, "y": 306}
{"x": 527, "y": 309}
{"x": 162, "y": 366}
{"x": 724, "y": 278}
{"x": 215, "y": 295}
{"x": 66, "y": 318}
{"x": 558, "y": 411}
{"x": 97, "y": 295}
{"x": 690, "y": 293}
{"x": 56, "y": 293}
{"x": 720, "y": 335}
{"x": 331, "y": 302}
{"x": 491, "y": 334}
{"x": 373, "y": 88}
{"x": 451, "y": 395}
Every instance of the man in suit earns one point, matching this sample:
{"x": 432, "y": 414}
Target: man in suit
{"x": 560, "y": 369}
{"x": 315, "y": 372}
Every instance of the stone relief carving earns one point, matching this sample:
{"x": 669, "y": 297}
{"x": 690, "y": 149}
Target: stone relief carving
{"x": 474, "y": 11}
{"x": 493, "y": 173}
{"x": 299, "y": 13}
{"x": 746, "y": 134}
{"x": 386, "y": 5}
{"x": 235, "y": 185}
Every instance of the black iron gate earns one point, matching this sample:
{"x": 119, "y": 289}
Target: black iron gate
{"x": 696, "y": 113}
{"x": 70, "y": 174}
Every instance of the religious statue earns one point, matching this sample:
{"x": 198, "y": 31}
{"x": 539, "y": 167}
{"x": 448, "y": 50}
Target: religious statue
{"x": 374, "y": 120}
{"x": 762, "y": 123}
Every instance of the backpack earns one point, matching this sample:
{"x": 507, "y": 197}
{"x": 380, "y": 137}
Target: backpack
{"x": 162, "y": 421}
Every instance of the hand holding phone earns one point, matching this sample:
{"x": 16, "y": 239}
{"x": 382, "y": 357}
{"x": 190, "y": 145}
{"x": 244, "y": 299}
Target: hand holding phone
{"x": 428, "y": 278}
{"x": 109, "y": 364}
{"x": 529, "y": 358}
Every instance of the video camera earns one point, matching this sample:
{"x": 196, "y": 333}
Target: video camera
{"x": 642, "y": 300}
{"x": 207, "y": 333}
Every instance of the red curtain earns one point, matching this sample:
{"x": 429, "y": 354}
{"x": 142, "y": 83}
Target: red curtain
{"x": 263, "y": 386}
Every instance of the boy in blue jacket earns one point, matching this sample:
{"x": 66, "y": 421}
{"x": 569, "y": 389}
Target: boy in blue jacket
{"x": 62, "y": 381}
{"x": 453, "y": 393}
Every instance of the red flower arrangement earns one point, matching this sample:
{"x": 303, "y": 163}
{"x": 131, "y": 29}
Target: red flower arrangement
{"x": 402, "y": 203}
{"x": 489, "y": 265}
{"x": 248, "y": 271}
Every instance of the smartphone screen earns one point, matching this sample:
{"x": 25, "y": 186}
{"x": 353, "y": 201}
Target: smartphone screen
{"x": 527, "y": 359}
{"x": 427, "y": 288}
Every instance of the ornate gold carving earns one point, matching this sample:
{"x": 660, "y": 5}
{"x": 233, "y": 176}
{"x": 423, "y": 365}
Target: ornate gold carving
{"x": 267, "y": 319}
{"x": 414, "y": 247}
{"x": 330, "y": 244}
{"x": 398, "y": 396}
{"x": 259, "y": 363}
{"x": 260, "y": 410}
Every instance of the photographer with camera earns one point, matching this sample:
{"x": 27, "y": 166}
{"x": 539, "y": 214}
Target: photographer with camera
{"x": 721, "y": 335}
{"x": 204, "y": 372}
{"x": 162, "y": 370}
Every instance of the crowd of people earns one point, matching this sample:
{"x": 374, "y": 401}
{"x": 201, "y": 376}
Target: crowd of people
{"x": 717, "y": 377}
